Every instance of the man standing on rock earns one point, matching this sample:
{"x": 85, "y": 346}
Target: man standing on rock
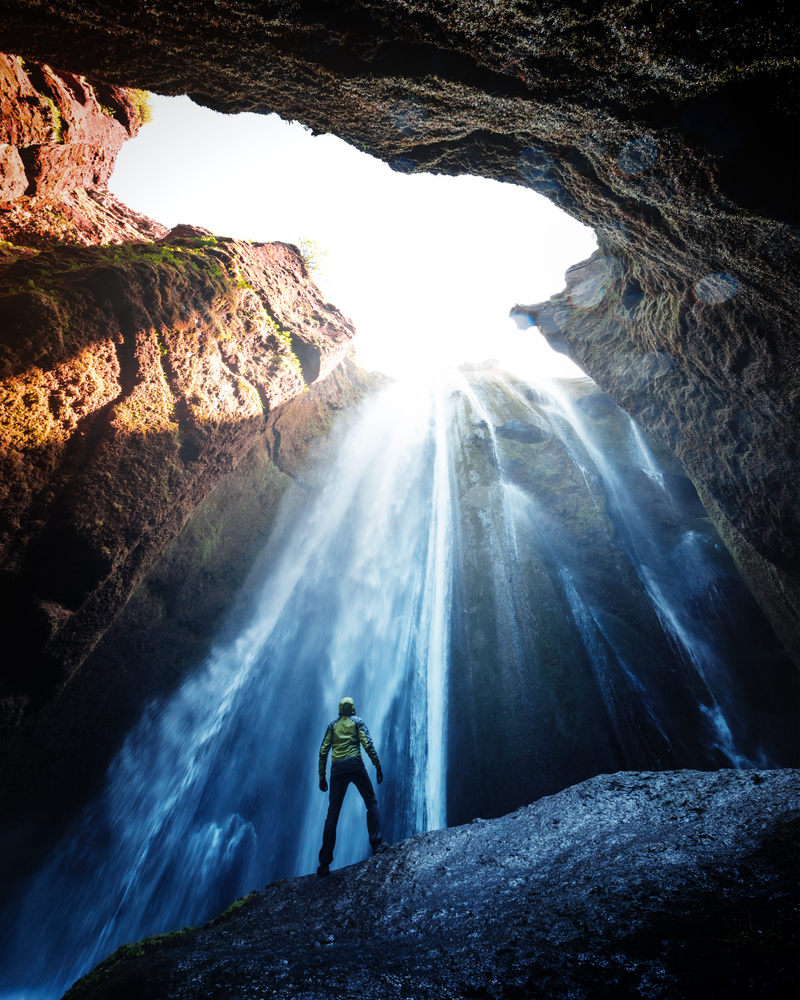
{"x": 345, "y": 737}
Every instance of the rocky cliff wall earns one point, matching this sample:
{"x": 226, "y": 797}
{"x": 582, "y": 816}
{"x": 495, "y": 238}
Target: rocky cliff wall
{"x": 135, "y": 379}
{"x": 59, "y": 140}
{"x": 134, "y": 374}
{"x": 726, "y": 405}
{"x": 671, "y": 130}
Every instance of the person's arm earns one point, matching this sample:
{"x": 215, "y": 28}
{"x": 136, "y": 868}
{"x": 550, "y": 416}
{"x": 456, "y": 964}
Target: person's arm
{"x": 323, "y": 758}
{"x": 369, "y": 746}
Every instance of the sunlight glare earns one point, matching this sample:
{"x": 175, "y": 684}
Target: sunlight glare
{"x": 427, "y": 266}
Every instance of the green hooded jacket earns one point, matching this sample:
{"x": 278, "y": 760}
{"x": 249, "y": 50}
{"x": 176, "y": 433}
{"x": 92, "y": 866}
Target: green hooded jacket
{"x": 344, "y": 738}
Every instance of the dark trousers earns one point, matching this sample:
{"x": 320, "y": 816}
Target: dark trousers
{"x": 342, "y": 773}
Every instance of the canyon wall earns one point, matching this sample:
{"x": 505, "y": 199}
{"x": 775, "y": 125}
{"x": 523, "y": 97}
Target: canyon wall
{"x": 138, "y": 367}
{"x": 726, "y": 405}
{"x": 59, "y": 140}
{"x": 152, "y": 380}
{"x": 673, "y": 131}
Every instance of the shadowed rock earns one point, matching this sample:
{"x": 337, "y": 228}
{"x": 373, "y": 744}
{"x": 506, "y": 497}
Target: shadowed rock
{"x": 133, "y": 379}
{"x": 631, "y": 884}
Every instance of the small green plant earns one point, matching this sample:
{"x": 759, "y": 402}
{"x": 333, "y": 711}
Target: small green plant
{"x": 137, "y": 949}
{"x": 286, "y": 339}
{"x": 236, "y": 905}
{"x": 140, "y": 99}
{"x": 315, "y": 256}
{"x": 56, "y": 122}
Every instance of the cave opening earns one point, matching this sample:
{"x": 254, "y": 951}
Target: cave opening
{"x": 426, "y": 265}
{"x": 520, "y": 587}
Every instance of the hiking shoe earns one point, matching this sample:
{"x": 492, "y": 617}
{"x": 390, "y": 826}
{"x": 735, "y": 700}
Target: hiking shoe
{"x": 380, "y": 849}
{"x": 323, "y": 870}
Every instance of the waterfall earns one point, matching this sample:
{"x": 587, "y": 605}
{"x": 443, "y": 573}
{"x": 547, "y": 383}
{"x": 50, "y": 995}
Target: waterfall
{"x": 215, "y": 790}
{"x": 495, "y": 568}
{"x": 598, "y": 622}
{"x": 673, "y": 578}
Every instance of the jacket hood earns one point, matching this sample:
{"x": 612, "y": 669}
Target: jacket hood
{"x": 347, "y": 707}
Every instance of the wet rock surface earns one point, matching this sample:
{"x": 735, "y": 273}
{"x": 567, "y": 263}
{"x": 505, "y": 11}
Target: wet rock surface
{"x": 635, "y": 884}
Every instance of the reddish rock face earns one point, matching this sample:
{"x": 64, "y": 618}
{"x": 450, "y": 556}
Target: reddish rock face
{"x": 133, "y": 375}
{"x": 59, "y": 140}
{"x": 134, "y": 378}
{"x": 70, "y": 133}
{"x": 13, "y": 181}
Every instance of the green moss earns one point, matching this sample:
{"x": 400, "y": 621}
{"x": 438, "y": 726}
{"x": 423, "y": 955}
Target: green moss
{"x": 227, "y": 914}
{"x": 208, "y": 538}
{"x": 105, "y": 971}
{"x": 111, "y": 972}
{"x": 56, "y": 122}
{"x": 286, "y": 340}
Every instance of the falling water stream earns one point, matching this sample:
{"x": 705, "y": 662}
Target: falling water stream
{"x": 214, "y": 791}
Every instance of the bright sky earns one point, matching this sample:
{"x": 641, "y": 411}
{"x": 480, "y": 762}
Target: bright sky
{"x": 426, "y": 266}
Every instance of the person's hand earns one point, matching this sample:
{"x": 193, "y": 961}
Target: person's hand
{"x": 323, "y": 785}
{"x": 379, "y": 774}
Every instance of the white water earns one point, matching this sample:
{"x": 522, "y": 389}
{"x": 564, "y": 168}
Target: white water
{"x": 215, "y": 791}
{"x": 671, "y": 577}
{"x": 668, "y": 578}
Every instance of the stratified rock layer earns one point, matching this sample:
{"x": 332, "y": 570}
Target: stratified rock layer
{"x": 134, "y": 379}
{"x": 635, "y": 884}
{"x": 59, "y": 140}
